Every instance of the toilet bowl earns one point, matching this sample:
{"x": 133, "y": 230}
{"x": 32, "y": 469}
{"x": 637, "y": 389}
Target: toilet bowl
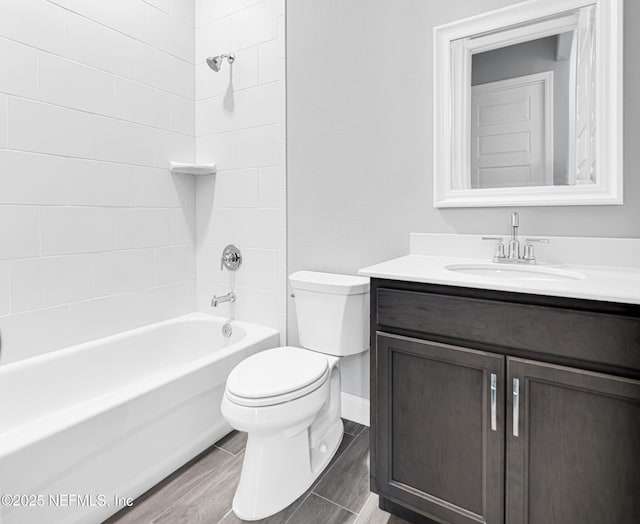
{"x": 288, "y": 399}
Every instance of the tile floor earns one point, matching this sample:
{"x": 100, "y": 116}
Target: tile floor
{"x": 201, "y": 491}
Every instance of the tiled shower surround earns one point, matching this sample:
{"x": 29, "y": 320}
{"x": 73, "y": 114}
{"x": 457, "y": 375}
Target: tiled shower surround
{"x": 240, "y": 124}
{"x": 96, "y": 98}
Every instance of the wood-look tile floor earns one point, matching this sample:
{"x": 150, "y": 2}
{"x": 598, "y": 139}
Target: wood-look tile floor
{"x": 201, "y": 492}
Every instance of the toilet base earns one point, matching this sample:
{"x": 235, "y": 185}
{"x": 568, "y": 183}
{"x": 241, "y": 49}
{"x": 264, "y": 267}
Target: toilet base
{"x": 278, "y": 468}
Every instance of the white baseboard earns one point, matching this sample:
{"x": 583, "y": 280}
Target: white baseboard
{"x": 355, "y": 408}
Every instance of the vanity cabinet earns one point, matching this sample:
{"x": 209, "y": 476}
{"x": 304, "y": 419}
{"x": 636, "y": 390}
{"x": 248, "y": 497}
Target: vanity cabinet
{"x": 438, "y": 441}
{"x": 500, "y": 407}
{"x": 573, "y": 446}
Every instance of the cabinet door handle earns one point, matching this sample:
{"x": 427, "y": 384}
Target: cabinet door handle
{"x": 516, "y": 406}
{"x": 494, "y": 400}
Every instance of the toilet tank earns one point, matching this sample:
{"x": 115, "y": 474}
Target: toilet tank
{"x": 332, "y": 312}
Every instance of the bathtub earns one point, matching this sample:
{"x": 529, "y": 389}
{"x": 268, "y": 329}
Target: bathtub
{"x": 86, "y": 429}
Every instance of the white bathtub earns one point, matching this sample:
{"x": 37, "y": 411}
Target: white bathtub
{"x": 111, "y": 418}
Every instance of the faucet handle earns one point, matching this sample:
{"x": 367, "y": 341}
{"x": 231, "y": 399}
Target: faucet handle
{"x": 499, "y": 252}
{"x": 231, "y": 258}
{"x": 528, "y": 248}
{"x": 540, "y": 240}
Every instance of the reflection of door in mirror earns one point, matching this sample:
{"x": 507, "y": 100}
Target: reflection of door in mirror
{"x": 520, "y": 99}
{"x": 510, "y": 126}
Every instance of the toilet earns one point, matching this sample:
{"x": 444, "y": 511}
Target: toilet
{"x": 288, "y": 399}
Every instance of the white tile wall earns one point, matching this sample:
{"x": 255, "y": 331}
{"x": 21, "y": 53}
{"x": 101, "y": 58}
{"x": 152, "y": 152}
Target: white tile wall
{"x": 50, "y": 281}
{"x": 70, "y": 84}
{"x": 239, "y": 112}
{"x": 19, "y": 232}
{"x": 131, "y": 17}
{"x": 44, "y": 128}
{"x": 174, "y": 264}
{"x": 163, "y": 5}
{"x": 96, "y": 98}
{"x": 159, "y": 188}
{"x": 93, "y": 183}
{"x": 67, "y": 230}
{"x": 121, "y": 141}
{"x": 34, "y": 332}
{"x": 141, "y": 103}
{"x": 4, "y": 117}
{"x": 5, "y": 288}
{"x": 123, "y": 271}
{"x": 173, "y": 36}
{"x": 27, "y": 178}
{"x": 96, "y": 236}
{"x": 38, "y": 23}
{"x": 137, "y": 228}
{"x": 183, "y": 227}
{"x": 183, "y": 10}
{"x": 18, "y": 69}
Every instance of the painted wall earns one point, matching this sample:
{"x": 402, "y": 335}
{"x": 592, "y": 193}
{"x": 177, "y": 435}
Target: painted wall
{"x": 359, "y": 124}
{"x": 240, "y": 125}
{"x": 96, "y": 236}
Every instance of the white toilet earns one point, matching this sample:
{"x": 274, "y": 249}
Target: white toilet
{"x": 288, "y": 398}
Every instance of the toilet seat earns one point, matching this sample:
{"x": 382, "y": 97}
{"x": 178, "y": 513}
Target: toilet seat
{"x": 276, "y": 376}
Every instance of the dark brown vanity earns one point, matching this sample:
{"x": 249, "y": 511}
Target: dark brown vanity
{"x": 501, "y": 407}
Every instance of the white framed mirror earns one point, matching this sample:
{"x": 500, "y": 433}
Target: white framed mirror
{"x": 528, "y": 106}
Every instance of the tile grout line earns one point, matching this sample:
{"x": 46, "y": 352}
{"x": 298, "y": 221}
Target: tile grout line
{"x": 225, "y": 515}
{"x": 227, "y": 452}
{"x": 297, "y": 508}
{"x": 204, "y": 478}
{"x": 334, "y": 503}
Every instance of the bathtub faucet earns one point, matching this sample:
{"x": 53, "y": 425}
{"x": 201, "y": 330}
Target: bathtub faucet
{"x": 229, "y": 297}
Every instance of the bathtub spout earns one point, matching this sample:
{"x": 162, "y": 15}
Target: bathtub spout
{"x": 229, "y": 297}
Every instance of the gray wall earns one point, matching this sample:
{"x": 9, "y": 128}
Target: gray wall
{"x": 535, "y": 56}
{"x": 359, "y": 137}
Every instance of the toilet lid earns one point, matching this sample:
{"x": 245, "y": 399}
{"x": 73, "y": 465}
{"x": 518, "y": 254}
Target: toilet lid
{"x": 276, "y": 372}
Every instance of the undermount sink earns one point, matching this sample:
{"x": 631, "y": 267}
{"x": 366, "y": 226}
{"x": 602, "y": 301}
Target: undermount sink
{"x": 506, "y": 272}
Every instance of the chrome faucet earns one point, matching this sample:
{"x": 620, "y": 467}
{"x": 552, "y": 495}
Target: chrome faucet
{"x": 229, "y": 297}
{"x": 514, "y": 244}
{"x": 514, "y": 257}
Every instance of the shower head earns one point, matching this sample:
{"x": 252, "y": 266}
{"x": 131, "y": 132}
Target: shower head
{"x": 215, "y": 62}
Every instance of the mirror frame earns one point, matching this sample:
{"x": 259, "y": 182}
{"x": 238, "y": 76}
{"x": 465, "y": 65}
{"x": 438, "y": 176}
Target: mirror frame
{"x": 451, "y": 123}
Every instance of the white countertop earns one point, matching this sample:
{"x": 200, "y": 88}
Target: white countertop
{"x": 608, "y": 283}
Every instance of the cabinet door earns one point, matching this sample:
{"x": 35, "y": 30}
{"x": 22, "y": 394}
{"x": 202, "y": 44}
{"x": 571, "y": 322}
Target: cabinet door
{"x": 440, "y": 431}
{"x": 573, "y": 446}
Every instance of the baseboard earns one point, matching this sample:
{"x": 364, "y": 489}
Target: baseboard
{"x": 355, "y": 408}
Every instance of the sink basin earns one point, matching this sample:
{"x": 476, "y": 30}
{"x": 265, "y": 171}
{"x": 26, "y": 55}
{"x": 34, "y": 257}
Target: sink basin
{"x": 506, "y": 272}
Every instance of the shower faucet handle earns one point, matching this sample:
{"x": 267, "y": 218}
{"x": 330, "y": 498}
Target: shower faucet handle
{"x": 231, "y": 258}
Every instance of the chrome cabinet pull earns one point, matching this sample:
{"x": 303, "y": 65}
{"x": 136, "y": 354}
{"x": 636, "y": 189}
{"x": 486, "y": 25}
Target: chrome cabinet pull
{"x": 494, "y": 399}
{"x": 516, "y": 405}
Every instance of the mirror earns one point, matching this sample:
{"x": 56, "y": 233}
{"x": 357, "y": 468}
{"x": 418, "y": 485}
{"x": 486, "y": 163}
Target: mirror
{"x": 527, "y": 106}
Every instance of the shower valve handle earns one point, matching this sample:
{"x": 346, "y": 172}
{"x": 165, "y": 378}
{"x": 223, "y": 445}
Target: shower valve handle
{"x": 231, "y": 258}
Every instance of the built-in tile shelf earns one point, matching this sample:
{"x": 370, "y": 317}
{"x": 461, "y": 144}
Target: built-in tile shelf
{"x": 192, "y": 169}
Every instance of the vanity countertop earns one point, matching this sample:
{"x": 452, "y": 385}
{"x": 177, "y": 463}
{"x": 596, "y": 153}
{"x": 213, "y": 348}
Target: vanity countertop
{"x": 607, "y": 283}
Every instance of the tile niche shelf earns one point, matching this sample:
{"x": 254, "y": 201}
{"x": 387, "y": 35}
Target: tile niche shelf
{"x": 192, "y": 169}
